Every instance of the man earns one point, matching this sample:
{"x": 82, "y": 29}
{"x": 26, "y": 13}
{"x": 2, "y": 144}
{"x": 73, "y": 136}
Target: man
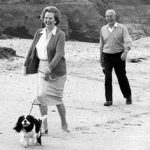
{"x": 115, "y": 43}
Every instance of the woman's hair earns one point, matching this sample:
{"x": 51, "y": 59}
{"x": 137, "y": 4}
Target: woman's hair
{"x": 54, "y": 10}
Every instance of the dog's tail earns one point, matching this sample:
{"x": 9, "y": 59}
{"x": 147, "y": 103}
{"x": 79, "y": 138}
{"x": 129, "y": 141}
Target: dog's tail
{"x": 43, "y": 118}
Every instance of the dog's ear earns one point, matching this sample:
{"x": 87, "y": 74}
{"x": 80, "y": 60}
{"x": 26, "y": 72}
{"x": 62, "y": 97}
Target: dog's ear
{"x": 18, "y": 126}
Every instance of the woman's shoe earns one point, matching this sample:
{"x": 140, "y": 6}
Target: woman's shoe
{"x": 64, "y": 131}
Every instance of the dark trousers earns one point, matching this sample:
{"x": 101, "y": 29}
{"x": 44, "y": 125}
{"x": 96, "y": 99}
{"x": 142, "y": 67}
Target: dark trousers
{"x": 114, "y": 61}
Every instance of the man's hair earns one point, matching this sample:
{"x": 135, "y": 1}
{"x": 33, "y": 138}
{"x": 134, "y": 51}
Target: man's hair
{"x": 111, "y": 10}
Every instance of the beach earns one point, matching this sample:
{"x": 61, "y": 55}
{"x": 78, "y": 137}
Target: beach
{"x": 93, "y": 126}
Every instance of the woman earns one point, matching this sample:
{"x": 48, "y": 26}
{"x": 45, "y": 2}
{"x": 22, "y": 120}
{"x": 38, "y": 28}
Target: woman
{"x": 47, "y": 58}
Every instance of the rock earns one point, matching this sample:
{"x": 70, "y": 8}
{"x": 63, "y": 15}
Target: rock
{"x": 135, "y": 14}
{"x": 84, "y": 21}
{"x": 64, "y": 26}
{"x": 81, "y": 19}
{"x": 7, "y": 53}
{"x": 4, "y": 36}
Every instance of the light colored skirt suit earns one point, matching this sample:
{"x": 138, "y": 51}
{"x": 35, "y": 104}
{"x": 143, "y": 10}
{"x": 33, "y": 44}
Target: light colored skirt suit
{"x": 49, "y": 92}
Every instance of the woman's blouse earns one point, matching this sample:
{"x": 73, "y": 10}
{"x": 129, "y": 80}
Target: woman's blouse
{"x": 43, "y": 42}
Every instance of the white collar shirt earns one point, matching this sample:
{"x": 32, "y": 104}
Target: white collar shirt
{"x": 43, "y": 42}
{"x": 114, "y": 26}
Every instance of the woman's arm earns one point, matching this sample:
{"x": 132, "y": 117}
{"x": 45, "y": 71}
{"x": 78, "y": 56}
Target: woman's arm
{"x": 30, "y": 52}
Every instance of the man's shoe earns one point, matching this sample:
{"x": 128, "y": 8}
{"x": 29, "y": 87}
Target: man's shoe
{"x": 108, "y": 103}
{"x": 129, "y": 100}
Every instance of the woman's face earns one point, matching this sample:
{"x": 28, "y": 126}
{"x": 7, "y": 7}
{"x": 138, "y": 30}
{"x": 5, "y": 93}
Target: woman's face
{"x": 49, "y": 19}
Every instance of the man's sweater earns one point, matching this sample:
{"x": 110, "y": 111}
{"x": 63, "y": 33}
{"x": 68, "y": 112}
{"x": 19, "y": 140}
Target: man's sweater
{"x": 115, "y": 41}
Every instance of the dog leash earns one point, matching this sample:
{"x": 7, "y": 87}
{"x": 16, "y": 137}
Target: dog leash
{"x": 31, "y": 107}
{"x": 32, "y": 104}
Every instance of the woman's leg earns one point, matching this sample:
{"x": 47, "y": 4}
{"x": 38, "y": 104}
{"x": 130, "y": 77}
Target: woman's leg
{"x": 44, "y": 111}
{"x": 62, "y": 114}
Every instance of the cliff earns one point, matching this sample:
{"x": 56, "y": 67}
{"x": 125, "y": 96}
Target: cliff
{"x": 81, "y": 19}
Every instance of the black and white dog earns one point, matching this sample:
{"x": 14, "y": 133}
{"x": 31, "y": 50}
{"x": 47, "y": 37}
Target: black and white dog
{"x": 30, "y": 129}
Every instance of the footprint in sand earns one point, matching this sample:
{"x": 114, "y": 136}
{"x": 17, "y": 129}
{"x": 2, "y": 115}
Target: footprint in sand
{"x": 113, "y": 122}
{"x": 129, "y": 124}
{"x": 84, "y": 132}
{"x": 82, "y": 128}
{"x": 97, "y": 125}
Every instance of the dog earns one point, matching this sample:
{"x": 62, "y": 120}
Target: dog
{"x": 30, "y": 129}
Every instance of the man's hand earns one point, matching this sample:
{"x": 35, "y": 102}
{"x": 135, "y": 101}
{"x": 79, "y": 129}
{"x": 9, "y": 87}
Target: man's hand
{"x": 101, "y": 60}
{"x": 124, "y": 56}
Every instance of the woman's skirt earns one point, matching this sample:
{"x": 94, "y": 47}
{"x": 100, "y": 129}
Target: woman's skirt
{"x": 49, "y": 92}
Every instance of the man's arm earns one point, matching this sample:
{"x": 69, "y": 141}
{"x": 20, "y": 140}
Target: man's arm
{"x": 127, "y": 43}
{"x": 127, "y": 39}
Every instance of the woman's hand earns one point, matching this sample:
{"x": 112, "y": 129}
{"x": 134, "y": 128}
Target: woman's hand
{"x": 124, "y": 56}
{"x": 47, "y": 74}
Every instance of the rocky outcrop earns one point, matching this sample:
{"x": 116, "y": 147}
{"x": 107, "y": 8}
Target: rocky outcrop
{"x": 81, "y": 19}
{"x": 135, "y": 14}
{"x": 84, "y": 21}
{"x": 7, "y": 53}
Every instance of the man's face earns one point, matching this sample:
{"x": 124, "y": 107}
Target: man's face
{"x": 110, "y": 17}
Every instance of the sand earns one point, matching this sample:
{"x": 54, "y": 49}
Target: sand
{"x": 93, "y": 126}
